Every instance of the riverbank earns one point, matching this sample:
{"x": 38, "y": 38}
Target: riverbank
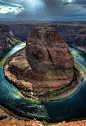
{"x": 7, "y": 59}
{"x": 80, "y": 48}
{"x": 4, "y": 53}
{"x": 73, "y": 53}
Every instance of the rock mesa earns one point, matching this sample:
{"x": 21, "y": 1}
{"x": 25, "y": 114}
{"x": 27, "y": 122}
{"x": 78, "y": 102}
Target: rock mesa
{"x": 46, "y": 64}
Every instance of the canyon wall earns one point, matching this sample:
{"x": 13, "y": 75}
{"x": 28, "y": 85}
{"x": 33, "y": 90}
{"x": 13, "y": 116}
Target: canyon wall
{"x": 21, "y": 30}
{"x": 80, "y": 39}
{"x": 7, "y": 39}
{"x": 68, "y": 32}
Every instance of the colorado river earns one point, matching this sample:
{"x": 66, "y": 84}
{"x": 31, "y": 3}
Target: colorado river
{"x": 72, "y": 107}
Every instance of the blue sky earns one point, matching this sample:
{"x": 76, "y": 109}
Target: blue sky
{"x": 55, "y": 10}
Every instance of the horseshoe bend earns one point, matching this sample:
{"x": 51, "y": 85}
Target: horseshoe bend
{"x": 44, "y": 69}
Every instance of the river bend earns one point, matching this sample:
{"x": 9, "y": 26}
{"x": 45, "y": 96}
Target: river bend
{"x": 73, "y": 107}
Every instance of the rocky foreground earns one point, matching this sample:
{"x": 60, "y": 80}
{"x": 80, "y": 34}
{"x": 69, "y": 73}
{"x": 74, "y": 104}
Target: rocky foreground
{"x": 7, "y": 120}
{"x": 45, "y": 65}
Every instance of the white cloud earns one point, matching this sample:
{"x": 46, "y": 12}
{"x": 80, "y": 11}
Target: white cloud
{"x": 8, "y": 9}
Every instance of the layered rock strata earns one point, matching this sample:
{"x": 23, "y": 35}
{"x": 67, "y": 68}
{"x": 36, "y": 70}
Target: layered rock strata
{"x": 46, "y": 64}
{"x": 68, "y": 30}
{"x": 7, "y": 39}
{"x": 80, "y": 39}
{"x": 21, "y": 30}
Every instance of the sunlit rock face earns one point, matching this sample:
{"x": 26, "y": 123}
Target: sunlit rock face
{"x": 46, "y": 64}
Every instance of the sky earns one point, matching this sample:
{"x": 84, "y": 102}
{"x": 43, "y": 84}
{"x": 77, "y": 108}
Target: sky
{"x": 44, "y": 10}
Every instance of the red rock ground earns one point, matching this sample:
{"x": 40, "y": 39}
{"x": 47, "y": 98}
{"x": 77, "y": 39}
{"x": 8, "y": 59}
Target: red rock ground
{"x": 77, "y": 123}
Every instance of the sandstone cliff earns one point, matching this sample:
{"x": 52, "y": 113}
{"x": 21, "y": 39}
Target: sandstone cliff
{"x": 45, "y": 65}
{"x": 68, "y": 30}
{"x": 80, "y": 39}
{"x": 21, "y": 30}
{"x": 48, "y": 54}
{"x": 7, "y": 39}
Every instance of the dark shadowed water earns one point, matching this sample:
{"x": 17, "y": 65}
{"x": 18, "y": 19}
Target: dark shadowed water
{"x": 72, "y": 107}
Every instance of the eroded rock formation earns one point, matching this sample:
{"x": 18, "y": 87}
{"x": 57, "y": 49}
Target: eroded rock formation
{"x": 7, "y": 38}
{"x": 46, "y": 64}
{"x": 68, "y": 30}
{"x": 21, "y": 30}
{"x": 80, "y": 40}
